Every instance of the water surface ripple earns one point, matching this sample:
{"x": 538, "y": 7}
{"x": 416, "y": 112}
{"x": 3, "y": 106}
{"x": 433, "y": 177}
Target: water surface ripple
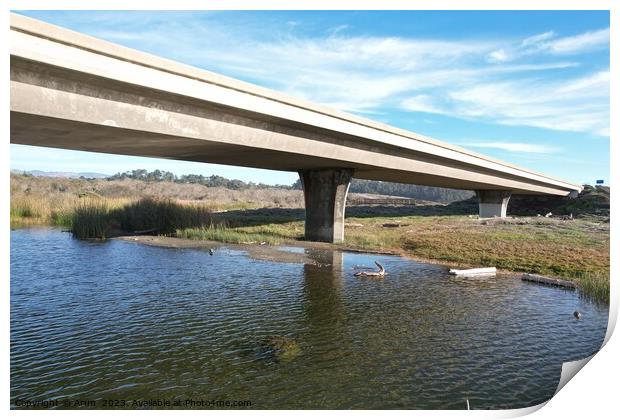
{"x": 120, "y": 320}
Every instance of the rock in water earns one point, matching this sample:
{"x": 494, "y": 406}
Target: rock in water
{"x": 282, "y": 349}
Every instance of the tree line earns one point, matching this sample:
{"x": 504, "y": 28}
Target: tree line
{"x": 442, "y": 195}
{"x": 207, "y": 181}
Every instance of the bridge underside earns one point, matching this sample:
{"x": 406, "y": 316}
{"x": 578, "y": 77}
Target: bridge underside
{"x": 37, "y": 130}
{"x": 326, "y": 181}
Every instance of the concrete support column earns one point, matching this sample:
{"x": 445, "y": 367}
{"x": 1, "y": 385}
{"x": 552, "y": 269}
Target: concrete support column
{"x": 325, "y": 194}
{"x": 493, "y": 203}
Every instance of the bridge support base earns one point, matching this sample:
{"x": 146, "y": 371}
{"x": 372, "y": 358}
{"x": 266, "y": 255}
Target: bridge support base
{"x": 325, "y": 194}
{"x": 493, "y": 203}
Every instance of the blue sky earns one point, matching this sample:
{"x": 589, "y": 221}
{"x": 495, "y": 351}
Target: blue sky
{"x": 530, "y": 88}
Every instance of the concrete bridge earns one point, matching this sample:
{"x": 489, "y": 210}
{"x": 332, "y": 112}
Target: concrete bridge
{"x": 73, "y": 91}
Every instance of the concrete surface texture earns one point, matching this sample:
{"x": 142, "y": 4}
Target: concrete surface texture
{"x": 325, "y": 195}
{"x": 493, "y": 203}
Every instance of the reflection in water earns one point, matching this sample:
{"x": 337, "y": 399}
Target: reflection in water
{"x": 325, "y": 312}
{"x": 118, "y": 320}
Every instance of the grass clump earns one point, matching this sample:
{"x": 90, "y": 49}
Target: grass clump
{"x": 100, "y": 219}
{"x": 91, "y": 220}
{"x": 595, "y": 287}
{"x": 61, "y": 218}
{"x": 272, "y": 234}
{"x": 223, "y": 234}
{"x": 26, "y": 210}
{"x": 165, "y": 216}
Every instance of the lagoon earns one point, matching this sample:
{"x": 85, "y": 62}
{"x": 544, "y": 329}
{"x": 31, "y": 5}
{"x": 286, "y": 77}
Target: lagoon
{"x": 115, "y": 320}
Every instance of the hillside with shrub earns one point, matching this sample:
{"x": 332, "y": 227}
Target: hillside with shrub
{"x": 121, "y": 184}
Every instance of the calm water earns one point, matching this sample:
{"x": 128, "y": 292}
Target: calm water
{"x": 119, "y": 320}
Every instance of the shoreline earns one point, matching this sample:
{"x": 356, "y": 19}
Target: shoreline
{"x": 574, "y": 250}
{"x": 267, "y": 252}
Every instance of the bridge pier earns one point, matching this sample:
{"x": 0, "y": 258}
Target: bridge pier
{"x": 325, "y": 194}
{"x": 493, "y": 203}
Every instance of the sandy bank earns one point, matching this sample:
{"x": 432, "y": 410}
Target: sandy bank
{"x": 256, "y": 251}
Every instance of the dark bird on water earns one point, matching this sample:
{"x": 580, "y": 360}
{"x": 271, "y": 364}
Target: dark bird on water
{"x": 210, "y": 251}
{"x": 577, "y": 314}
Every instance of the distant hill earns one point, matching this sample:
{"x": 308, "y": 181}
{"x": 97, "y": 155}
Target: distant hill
{"x": 62, "y": 174}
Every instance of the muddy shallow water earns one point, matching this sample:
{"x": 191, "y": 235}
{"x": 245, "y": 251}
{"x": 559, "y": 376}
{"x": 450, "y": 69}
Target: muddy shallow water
{"x": 120, "y": 320}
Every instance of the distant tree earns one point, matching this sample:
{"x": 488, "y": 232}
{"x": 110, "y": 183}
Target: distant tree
{"x": 443, "y": 195}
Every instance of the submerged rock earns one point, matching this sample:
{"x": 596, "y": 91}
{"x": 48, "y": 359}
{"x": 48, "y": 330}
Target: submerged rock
{"x": 281, "y": 348}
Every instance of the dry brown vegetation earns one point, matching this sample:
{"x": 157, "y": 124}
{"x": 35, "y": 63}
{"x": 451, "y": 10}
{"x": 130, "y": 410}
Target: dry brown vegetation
{"x": 46, "y": 200}
{"x": 43, "y": 195}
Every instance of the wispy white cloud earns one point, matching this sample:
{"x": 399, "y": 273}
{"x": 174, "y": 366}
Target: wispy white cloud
{"x": 537, "y": 39}
{"x": 505, "y": 81}
{"x": 497, "y": 56}
{"x": 579, "y": 104}
{"x": 586, "y": 42}
{"x": 424, "y": 103}
{"x": 548, "y": 43}
{"x": 510, "y": 146}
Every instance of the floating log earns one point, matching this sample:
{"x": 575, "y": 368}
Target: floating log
{"x": 535, "y": 278}
{"x": 379, "y": 273}
{"x": 487, "y": 271}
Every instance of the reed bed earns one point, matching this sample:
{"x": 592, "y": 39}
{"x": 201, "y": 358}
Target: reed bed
{"x": 97, "y": 218}
{"x": 29, "y": 210}
{"x": 164, "y": 216}
{"x": 91, "y": 220}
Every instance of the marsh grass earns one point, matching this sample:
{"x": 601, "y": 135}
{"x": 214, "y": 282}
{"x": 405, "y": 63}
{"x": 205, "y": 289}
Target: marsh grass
{"x": 28, "y": 210}
{"x": 269, "y": 233}
{"x": 91, "y": 220}
{"x": 593, "y": 286}
{"x": 61, "y": 218}
{"x": 100, "y": 218}
{"x": 227, "y": 235}
{"x": 164, "y": 215}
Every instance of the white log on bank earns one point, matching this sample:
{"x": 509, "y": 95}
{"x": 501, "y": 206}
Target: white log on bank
{"x": 535, "y": 278}
{"x": 486, "y": 271}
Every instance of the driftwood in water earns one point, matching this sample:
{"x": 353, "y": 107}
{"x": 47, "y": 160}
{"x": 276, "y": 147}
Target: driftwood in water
{"x": 379, "y": 273}
{"x": 488, "y": 271}
{"x": 535, "y": 278}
